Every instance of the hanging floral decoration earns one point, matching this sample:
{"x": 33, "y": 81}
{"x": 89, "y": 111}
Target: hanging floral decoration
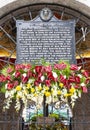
{"x": 59, "y": 81}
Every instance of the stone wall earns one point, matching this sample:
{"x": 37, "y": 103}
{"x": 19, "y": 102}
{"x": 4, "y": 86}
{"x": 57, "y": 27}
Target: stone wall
{"x": 9, "y": 120}
{"x": 68, "y": 3}
{"x": 81, "y": 111}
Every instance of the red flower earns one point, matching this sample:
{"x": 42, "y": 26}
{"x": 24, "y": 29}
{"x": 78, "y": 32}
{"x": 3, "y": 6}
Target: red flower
{"x": 62, "y": 79}
{"x": 39, "y": 75}
{"x": 71, "y": 79}
{"x": 67, "y": 85}
{"x": 76, "y": 87}
{"x": 24, "y": 79}
{"x": 61, "y": 66}
{"x": 8, "y": 78}
{"x": 17, "y": 74}
{"x": 29, "y": 74}
{"x": 10, "y": 86}
{"x": 50, "y": 76}
{"x": 38, "y": 69}
{"x": 47, "y": 82}
{"x": 34, "y": 75}
{"x": 77, "y": 79}
{"x": 74, "y": 67}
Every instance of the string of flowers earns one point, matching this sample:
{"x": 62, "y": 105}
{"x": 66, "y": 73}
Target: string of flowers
{"x": 59, "y": 81}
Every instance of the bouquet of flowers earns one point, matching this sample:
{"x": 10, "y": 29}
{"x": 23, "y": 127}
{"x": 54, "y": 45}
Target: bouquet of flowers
{"x": 58, "y": 81}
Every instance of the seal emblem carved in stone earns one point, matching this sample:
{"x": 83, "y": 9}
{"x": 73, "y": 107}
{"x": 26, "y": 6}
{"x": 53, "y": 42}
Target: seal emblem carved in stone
{"x": 46, "y": 14}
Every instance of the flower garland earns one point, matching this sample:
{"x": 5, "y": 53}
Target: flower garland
{"x": 59, "y": 81}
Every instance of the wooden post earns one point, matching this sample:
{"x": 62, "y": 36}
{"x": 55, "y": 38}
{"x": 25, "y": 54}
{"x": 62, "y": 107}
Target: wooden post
{"x": 45, "y": 107}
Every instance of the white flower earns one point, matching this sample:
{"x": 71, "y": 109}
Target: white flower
{"x": 20, "y": 93}
{"x": 64, "y": 91}
{"x": 79, "y": 93}
{"x": 74, "y": 96}
{"x": 82, "y": 84}
{"x": 79, "y": 67}
{"x": 55, "y": 75}
{"x": 48, "y": 100}
{"x": 6, "y": 86}
{"x": 42, "y": 78}
{"x": 7, "y": 94}
{"x": 30, "y": 80}
{"x": 13, "y": 74}
{"x": 13, "y": 91}
{"x": 80, "y": 75}
{"x": 24, "y": 74}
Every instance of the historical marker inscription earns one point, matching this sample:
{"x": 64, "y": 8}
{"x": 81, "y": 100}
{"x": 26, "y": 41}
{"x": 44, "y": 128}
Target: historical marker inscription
{"x": 53, "y": 40}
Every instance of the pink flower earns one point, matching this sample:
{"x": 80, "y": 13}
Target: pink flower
{"x": 9, "y": 70}
{"x": 10, "y": 86}
{"x": 74, "y": 67}
{"x": 87, "y": 81}
{"x": 84, "y": 89}
{"x": 36, "y": 83}
{"x": 2, "y": 78}
{"x": 28, "y": 66}
{"x": 61, "y": 66}
{"x": 16, "y": 83}
{"x": 48, "y": 68}
{"x": 85, "y": 73}
{"x": 19, "y": 66}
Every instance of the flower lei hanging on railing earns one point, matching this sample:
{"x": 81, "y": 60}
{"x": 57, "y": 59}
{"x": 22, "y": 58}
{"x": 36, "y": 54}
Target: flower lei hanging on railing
{"x": 60, "y": 81}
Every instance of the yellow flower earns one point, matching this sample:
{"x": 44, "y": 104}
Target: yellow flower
{"x": 18, "y": 96}
{"x": 52, "y": 91}
{"x": 61, "y": 85}
{"x": 46, "y": 87}
{"x": 72, "y": 90}
{"x": 25, "y": 92}
{"x": 32, "y": 90}
{"x": 59, "y": 92}
{"x": 28, "y": 85}
{"x": 18, "y": 88}
{"x": 47, "y": 94}
{"x": 67, "y": 94}
{"x": 35, "y": 94}
{"x": 39, "y": 88}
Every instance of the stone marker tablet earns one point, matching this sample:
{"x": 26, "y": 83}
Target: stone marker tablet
{"x": 51, "y": 40}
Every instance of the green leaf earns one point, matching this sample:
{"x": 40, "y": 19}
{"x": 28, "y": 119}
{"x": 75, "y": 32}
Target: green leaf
{"x": 3, "y": 90}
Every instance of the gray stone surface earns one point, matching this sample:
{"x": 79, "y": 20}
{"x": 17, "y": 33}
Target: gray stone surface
{"x": 69, "y": 3}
